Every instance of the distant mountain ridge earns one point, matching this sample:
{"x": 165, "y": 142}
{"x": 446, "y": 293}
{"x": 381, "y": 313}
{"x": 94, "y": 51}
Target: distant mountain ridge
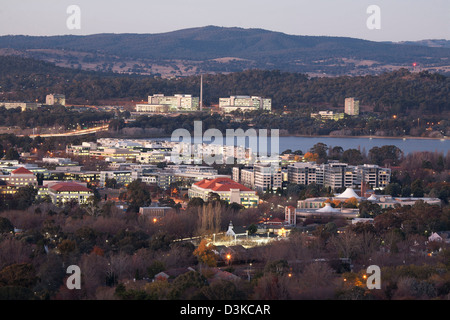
{"x": 434, "y": 43}
{"x": 214, "y": 49}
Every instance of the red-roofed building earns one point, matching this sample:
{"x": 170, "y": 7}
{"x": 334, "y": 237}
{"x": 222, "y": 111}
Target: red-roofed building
{"x": 62, "y": 192}
{"x": 227, "y": 189}
{"x": 20, "y": 177}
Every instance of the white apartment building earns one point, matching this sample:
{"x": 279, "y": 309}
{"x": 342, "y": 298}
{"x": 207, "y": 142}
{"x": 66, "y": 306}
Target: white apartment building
{"x": 260, "y": 177}
{"x": 351, "y": 106}
{"x": 338, "y": 175}
{"x": 245, "y": 103}
{"x": 176, "y": 102}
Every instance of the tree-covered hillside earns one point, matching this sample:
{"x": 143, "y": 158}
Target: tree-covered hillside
{"x": 262, "y": 49}
{"x": 398, "y": 92}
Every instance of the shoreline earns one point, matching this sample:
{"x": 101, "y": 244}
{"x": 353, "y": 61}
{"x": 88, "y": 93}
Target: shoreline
{"x": 364, "y": 137}
{"x": 156, "y": 136}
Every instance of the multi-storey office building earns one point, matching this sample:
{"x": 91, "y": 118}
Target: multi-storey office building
{"x": 339, "y": 175}
{"x": 267, "y": 177}
{"x": 260, "y": 177}
{"x": 334, "y": 174}
{"x": 245, "y": 103}
{"x": 176, "y": 102}
{"x": 121, "y": 177}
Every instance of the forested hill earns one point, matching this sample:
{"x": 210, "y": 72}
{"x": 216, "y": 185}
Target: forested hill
{"x": 217, "y": 49}
{"x": 394, "y": 92}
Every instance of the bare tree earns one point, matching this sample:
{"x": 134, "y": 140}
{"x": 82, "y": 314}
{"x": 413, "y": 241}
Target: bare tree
{"x": 316, "y": 274}
{"x": 345, "y": 244}
{"x": 209, "y": 218}
{"x": 273, "y": 287}
{"x": 14, "y": 251}
{"x": 122, "y": 266}
{"x": 93, "y": 273}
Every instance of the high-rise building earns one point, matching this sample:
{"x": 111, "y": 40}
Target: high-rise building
{"x": 351, "y": 106}
{"x": 55, "y": 99}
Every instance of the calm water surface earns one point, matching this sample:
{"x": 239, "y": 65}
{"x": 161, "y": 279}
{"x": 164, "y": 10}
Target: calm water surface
{"x": 407, "y": 145}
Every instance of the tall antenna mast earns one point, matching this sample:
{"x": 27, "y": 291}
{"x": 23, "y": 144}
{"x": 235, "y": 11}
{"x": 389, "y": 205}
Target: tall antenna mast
{"x": 201, "y": 92}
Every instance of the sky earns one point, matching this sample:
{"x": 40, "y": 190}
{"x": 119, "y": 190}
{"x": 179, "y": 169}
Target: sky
{"x": 393, "y": 20}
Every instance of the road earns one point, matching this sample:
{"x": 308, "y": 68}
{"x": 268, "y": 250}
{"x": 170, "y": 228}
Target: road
{"x": 72, "y": 133}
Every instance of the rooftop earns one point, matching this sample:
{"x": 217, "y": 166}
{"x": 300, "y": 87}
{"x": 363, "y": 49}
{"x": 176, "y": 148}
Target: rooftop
{"x": 21, "y": 170}
{"x": 348, "y": 193}
{"x": 221, "y": 184}
{"x": 69, "y": 187}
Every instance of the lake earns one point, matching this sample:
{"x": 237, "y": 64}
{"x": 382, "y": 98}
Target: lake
{"x": 407, "y": 145}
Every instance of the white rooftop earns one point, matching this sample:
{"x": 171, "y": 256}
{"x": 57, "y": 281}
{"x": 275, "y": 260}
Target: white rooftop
{"x": 327, "y": 208}
{"x": 372, "y": 198}
{"x": 348, "y": 193}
